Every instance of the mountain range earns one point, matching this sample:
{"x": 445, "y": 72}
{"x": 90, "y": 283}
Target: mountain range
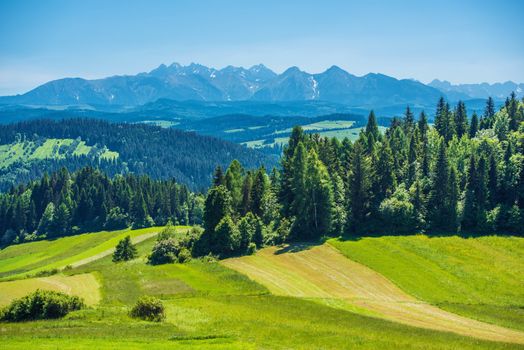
{"x": 196, "y": 82}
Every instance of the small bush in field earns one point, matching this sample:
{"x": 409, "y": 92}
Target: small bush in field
{"x": 41, "y": 304}
{"x": 149, "y": 309}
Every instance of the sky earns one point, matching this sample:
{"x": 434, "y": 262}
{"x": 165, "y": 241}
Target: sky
{"x": 459, "y": 41}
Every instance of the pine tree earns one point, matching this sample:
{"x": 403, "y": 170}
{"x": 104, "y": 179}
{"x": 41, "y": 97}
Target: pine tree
{"x": 372, "y": 127}
{"x": 258, "y": 191}
{"x": 409, "y": 120}
{"x": 473, "y": 126}
{"x": 62, "y": 219}
{"x": 423, "y": 126}
{"x": 487, "y": 119}
{"x": 359, "y": 194}
{"x": 451, "y": 203}
{"x": 298, "y": 183}
{"x": 493, "y": 182}
{"x": 469, "y": 217}
{"x": 247, "y": 186}
{"x": 439, "y": 195}
{"x": 218, "y": 177}
{"x": 319, "y": 198}
{"x": 461, "y": 119}
{"x": 384, "y": 178}
{"x": 412, "y": 162}
{"x": 286, "y": 187}
{"x": 217, "y": 206}
{"x": 233, "y": 183}
{"x": 512, "y": 109}
{"x": 125, "y": 250}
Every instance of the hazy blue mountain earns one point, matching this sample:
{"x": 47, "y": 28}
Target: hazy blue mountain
{"x": 200, "y": 83}
{"x": 472, "y": 91}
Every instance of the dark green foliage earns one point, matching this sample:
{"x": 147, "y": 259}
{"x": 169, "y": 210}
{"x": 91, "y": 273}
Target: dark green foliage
{"x": 41, "y": 304}
{"x": 461, "y": 119}
{"x": 158, "y": 152}
{"x": 359, "y": 188}
{"x": 125, "y": 250}
{"x": 149, "y": 309}
{"x": 217, "y": 205}
{"x": 63, "y": 204}
{"x": 172, "y": 247}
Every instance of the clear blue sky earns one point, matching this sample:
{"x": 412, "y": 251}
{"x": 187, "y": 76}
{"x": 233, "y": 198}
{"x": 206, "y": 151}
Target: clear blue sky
{"x": 459, "y": 41}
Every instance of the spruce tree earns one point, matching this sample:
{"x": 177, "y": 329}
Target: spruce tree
{"x": 258, "y": 191}
{"x": 372, "y": 127}
{"x": 218, "y": 177}
{"x": 298, "y": 185}
{"x": 319, "y": 198}
{"x": 461, "y": 119}
{"x": 473, "y": 126}
{"x": 423, "y": 126}
{"x": 359, "y": 194}
{"x": 217, "y": 205}
{"x": 233, "y": 183}
{"x": 439, "y": 195}
{"x": 409, "y": 120}
{"x": 412, "y": 162}
{"x": 384, "y": 178}
{"x": 125, "y": 250}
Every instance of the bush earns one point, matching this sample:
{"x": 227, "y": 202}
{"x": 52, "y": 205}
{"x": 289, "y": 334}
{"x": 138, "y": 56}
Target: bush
{"x": 41, "y": 304}
{"x": 164, "y": 252}
{"x": 149, "y": 309}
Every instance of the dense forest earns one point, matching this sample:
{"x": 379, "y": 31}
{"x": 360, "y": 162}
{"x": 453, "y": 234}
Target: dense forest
{"x": 67, "y": 203}
{"x": 142, "y": 149}
{"x": 465, "y": 175}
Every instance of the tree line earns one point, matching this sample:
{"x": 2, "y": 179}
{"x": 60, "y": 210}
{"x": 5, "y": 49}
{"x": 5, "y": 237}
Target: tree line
{"x": 65, "y": 203}
{"x": 464, "y": 174}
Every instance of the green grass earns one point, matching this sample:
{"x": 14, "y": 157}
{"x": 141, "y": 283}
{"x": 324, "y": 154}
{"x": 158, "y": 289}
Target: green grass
{"x": 25, "y": 151}
{"x": 26, "y": 259}
{"x": 481, "y": 278}
{"x": 211, "y": 307}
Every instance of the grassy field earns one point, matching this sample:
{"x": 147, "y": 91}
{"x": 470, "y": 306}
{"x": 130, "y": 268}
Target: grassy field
{"x": 210, "y": 306}
{"x": 26, "y": 151}
{"x": 22, "y": 260}
{"x": 323, "y": 273}
{"x": 83, "y": 285}
{"x": 322, "y": 128}
{"x": 481, "y": 278}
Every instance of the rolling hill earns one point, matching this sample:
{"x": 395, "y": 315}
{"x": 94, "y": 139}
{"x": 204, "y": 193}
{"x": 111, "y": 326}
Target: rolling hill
{"x": 304, "y": 303}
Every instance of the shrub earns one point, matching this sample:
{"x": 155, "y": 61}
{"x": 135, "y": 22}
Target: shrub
{"x": 164, "y": 252}
{"x": 125, "y": 250}
{"x": 41, "y": 304}
{"x": 149, "y": 309}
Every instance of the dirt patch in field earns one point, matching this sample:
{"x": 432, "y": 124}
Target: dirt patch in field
{"x": 323, "y": 272}
{"x": 84, "y": 285}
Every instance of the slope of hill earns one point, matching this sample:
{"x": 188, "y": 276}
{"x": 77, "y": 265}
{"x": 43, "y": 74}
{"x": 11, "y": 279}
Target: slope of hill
{"x": 29, "y": 149}
{"x": 200, "y": 83}
{"x": 209, "y": 306}
{"x": 322, "y": 273}
{"x": 475, "y": 277}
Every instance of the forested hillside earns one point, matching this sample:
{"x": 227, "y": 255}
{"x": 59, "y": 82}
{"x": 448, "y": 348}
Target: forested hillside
{"x": 64, "y": 204}
{"x": 463, "y": 175}
{"x": 141, "y": 149}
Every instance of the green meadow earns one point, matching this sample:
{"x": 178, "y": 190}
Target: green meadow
{"x": 478, "y": 277}
{"x": 208, "y": 306}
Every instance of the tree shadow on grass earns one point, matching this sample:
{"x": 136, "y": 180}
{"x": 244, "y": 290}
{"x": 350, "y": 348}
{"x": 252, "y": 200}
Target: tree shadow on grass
{"x": 295, "y": 247}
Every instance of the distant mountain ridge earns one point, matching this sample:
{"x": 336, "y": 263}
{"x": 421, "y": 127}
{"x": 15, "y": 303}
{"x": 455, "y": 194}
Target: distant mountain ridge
{"x": 483, "y": 90}
{"x": 258, "y": 83}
